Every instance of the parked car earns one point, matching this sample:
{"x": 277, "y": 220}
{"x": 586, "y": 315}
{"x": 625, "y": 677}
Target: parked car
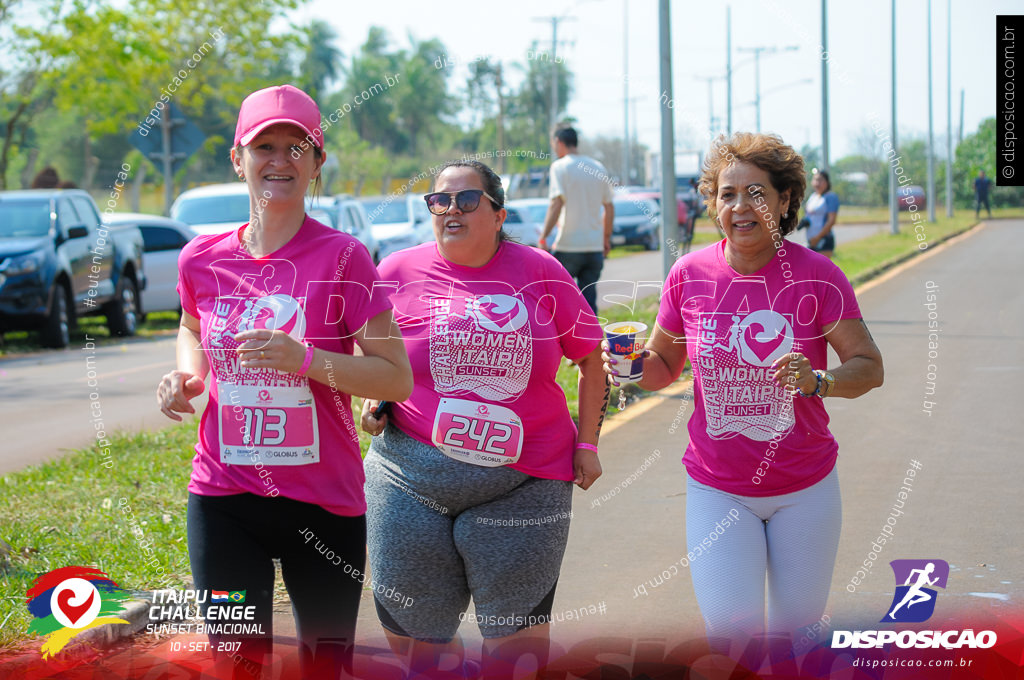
{"x": 213, "y": 209}
{"x": 398, "y": 222}
{"x": 58, "y": 262}
{"x": 519, "y": 227}
{"x": 534, "y": 210}
{"x": 163, "y": 239}
{"x": 352, "y": 220}
{"x": 322, "y": 210}
{"x": 636, "y": 221}
{"x": 682, "y": 210}
{"x": 911, "y": 195}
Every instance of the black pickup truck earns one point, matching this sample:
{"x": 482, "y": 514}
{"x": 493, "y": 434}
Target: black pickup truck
{"x": 58, "y": 262}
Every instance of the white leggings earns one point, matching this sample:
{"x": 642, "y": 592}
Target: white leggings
{"x": 790, "y": 539}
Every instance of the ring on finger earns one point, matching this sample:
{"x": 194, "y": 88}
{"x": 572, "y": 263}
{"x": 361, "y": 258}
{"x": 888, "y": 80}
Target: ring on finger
{"x": 262, "y": 354}
{"x": 797, "y": 375}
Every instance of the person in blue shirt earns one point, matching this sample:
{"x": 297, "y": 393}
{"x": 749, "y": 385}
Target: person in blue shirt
{"x": 821, "y": 209}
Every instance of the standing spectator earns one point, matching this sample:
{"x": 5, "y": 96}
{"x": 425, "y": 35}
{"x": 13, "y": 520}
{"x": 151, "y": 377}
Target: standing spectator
{"x": 822, "y": 208}
{"x": 579, "y": 184}
{"x": 981, "y": 185}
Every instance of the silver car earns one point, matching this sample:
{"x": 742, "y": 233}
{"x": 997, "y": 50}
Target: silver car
{"x": 163, "y": 239}
{"x": 398, "y": 221}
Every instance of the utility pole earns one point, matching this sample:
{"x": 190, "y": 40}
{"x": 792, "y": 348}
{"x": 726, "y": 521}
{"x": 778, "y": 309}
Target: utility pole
{"x": 931, "y": 138}
{"x": 824, "y": 84}
{"x": 625, "y": 92}
{"x": 949, "y": 109}
{"x": 757, "y": 72}
{"x": 728, "y": 70}
{"x": 711, "y": 103}
{"x": 669, "y": 224}
{"x": 894, "y": 211}
{"x": 501, "y": 118}
{"x": 553, "y": 116}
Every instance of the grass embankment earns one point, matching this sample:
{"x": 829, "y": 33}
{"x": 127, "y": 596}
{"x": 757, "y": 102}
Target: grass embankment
{"x": 70, "y": 511}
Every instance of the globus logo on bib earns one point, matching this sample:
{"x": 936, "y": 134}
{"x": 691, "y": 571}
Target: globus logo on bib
{"x": 914, "y": 602}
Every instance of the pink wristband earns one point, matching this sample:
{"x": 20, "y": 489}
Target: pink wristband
{"x": 588, "y": 447}
{"x": 310, "y": 350}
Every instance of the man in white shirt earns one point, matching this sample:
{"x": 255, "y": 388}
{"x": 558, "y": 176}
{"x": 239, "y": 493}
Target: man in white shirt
{"x": 580, "y": 185}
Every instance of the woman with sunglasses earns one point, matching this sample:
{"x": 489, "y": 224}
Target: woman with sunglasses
{"x": 469, "y": 482}
{"x": 272, "y": 312}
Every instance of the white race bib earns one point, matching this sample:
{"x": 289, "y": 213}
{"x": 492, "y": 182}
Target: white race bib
{"x": 478, "y": 433}
{"x": 272, "y": 425}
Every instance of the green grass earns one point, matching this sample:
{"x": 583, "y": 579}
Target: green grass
{"x": 70, "y": 512}
{"x": 859, "y": 213}
{"x": 864, "y": 258}
{"x": 157, "y": 324}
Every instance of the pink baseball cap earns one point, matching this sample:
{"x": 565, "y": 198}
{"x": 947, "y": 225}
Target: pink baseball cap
{"x": 279, "y": 104}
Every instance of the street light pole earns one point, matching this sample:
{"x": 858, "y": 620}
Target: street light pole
{"x": 894, "y": 224}
{"x": 625, "y": 92}
{"x": 669, "y": 224}
{"x": 824, "y": 84}
{"x": 728, "y": 71}
{"x": 949, "y": 109}
{"x": 931, "y": 138}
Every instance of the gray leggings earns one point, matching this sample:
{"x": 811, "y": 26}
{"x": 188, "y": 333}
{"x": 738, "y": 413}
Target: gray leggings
{"x": 790, "y": 540}
{"x": 440, "y": 530}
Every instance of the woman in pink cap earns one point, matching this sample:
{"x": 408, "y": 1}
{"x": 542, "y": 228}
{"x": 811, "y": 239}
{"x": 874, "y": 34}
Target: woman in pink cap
{"x": 272, "y": 311}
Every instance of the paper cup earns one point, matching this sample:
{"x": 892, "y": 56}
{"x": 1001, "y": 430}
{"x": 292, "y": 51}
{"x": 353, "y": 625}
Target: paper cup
{"x": 625, "y": 345}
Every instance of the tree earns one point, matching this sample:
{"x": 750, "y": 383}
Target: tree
{"x": 117, "y": 68}
{"x": 321, "y": 64}
{"x": 421, "y": 96}
{"x": 978, "y": 152}
{"x": 530, "y": 107}
{"x": 373, "y": 117}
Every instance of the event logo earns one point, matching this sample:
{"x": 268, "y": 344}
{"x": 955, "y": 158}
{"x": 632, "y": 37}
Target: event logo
{"x": 68, "y": 601}
{"x": 498, "y": 313}
{"x": 913, "y": 601}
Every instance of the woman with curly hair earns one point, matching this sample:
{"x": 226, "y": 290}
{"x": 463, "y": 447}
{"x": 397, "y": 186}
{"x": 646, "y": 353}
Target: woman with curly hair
{"x": 756, "y": 314}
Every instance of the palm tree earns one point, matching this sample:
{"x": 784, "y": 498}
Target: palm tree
{"x": 322, "y": 61}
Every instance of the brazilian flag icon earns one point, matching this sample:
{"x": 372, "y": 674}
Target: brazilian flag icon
{"x": 237, "y": 596}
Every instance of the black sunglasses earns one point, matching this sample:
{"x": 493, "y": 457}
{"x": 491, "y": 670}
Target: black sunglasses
{"x": 466, "y": 200}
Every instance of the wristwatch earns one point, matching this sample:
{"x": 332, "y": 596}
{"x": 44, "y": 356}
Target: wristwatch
{"x": 826, "y": 383}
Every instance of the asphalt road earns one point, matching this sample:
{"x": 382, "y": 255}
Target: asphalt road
{"x": 56, "y": 401}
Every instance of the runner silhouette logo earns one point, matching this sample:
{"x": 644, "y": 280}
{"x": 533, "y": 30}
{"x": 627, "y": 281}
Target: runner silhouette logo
{"x": 914, "y": 600}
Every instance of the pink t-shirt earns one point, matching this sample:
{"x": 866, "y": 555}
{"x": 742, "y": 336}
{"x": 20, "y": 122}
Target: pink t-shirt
{"x": 747, "y": 435}
{"x": 485, "y": 344}
{"x": 265, "y": 431}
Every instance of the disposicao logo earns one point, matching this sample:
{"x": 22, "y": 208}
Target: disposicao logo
{"x": 69, "y": 601}
{"x": 916, "y": 576}
{"x": 914, "y": 602}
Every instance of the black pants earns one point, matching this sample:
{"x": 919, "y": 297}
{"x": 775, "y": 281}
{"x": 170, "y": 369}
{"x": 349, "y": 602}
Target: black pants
{"x": 585, "y": 268}
{"x": 232, "y": 541}
{"x": 979, "y": 202}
